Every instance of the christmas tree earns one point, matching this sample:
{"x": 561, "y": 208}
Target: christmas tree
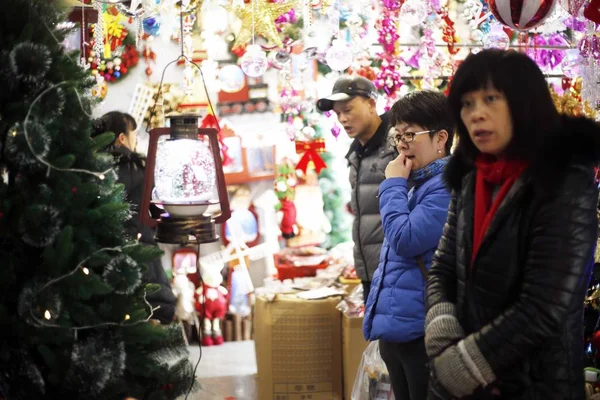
{"x": 334, "y": 204}
{"x": 74, "y": 320}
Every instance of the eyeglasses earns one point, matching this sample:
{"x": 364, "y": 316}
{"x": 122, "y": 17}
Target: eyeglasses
{"x": 406, "y": 137}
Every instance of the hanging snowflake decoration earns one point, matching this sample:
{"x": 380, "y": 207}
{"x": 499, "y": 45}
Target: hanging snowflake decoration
{"x": 30, "y": 62}
{"x": 89, "y": 379}
{"x": 23, "y": 145}
{"x": 38, "y": 307}
{"x": 123, "y": 273}
{"x": 40, "y": 225}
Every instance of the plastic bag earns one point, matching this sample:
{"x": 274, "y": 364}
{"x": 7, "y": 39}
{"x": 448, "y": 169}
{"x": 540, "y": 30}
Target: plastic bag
{"x": 372, "y": 379}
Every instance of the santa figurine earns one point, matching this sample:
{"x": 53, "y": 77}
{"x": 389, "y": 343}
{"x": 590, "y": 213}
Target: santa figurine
{"x": 211, "y": 304}
{"x": 288, "y": 219}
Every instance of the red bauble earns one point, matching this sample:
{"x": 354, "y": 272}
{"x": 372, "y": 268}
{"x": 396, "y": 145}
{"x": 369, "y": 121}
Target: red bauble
{"x": 596, "y": 340}
{"x": 521, "y": 15}
{"x": 592, "y": 11}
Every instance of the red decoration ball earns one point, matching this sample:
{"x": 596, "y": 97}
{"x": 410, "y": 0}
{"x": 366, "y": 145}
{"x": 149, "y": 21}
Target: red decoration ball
{"x": 596, "y": 340}
{"x": 521, "y": 15}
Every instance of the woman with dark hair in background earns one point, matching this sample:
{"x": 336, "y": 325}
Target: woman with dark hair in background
{"x": 507, "y": 283}
{"x": 130, "y": 169}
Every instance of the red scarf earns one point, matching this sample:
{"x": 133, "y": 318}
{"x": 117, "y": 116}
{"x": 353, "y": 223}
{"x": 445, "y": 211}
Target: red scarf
{"x": 490, "y": 173}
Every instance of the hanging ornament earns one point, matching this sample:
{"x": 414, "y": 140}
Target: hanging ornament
{"x": 254, "y": 62}
{"x": 496, "y": 38}
{"x": 521, "y": 15}
{"x": 476, "y": 35}
{"x": 151, "y": 25}
{"x": 414, "y": 12}
{"x": 335, "y": 131}
{"x": 266, "y": 14}
{"x": 573, "y": 7}
{"x": 232, "y": 79}
{"x": 571, "y": 64}
{"x": 339, "y": 55}
{"x": 99, "y": 32}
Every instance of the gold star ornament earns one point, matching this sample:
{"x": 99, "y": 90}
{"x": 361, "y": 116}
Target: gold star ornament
{"x": 265, "y": 14}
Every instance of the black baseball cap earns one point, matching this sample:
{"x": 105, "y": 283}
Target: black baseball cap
{"x": 345, "y": 88}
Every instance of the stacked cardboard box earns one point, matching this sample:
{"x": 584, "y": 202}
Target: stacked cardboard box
{"x": 298, "y": 348}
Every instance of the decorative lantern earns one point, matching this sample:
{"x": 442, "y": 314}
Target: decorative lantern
{"x": 184, "y": 176}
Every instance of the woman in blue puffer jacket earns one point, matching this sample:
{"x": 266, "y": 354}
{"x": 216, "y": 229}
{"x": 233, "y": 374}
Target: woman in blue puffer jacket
{"x": 412, "y": 223}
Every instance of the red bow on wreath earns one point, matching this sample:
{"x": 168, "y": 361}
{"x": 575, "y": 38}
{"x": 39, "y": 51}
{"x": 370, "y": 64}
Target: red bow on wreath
{"x": 311, "y": 152}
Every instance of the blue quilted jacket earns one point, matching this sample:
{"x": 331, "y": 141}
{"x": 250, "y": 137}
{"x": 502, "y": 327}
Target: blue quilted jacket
{"x": 412, "y": 224}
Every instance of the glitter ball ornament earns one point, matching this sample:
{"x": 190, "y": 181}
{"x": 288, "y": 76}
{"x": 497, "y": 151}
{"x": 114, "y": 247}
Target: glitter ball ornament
{"x": 123, "y": 274}
{"x": 414, "y": 12}
{"x": 254, "y": 62}
{"x": 339, "y": 56}
{"x": 232, "y": 79}
{"x": 521, "y": 15}
{"x": 496, "y": 39}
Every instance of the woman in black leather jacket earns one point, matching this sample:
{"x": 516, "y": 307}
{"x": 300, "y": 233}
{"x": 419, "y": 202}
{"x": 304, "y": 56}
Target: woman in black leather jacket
{"x": 130, "y": 169}
{"x": 506, "y": 288}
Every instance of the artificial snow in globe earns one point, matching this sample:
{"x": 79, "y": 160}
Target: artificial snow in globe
{"x": 254, "y": 62}
{"x": 339, "y": 56}
{"x": 185, "y": 172}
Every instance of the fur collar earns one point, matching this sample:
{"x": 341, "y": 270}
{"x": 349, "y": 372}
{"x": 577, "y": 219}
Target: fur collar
{"x": 577, "y": 141}
{"x": 123, "y": 156}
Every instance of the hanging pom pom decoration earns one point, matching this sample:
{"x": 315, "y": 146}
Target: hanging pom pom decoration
{"x": 521, "y": 15}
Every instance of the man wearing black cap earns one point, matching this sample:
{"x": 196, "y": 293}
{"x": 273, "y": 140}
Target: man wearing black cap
{"x": 353, "y": 101}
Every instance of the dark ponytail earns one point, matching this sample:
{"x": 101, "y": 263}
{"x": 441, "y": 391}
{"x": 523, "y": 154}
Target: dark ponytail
{"x": 98, "y": 127}
{"x": 115, "y": 122}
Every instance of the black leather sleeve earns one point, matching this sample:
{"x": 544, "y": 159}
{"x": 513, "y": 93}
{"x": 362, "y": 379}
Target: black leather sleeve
{"x": 563, "y": 234}
{"x": 441, "y": 283}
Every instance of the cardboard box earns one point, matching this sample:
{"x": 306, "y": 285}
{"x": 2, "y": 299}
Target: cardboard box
{"x": 353, "y": 346}
{"x": 298, "y": 348}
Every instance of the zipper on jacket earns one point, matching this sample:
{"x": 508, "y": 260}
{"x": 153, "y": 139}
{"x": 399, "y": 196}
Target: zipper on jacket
{"x": 362, "y": 254}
